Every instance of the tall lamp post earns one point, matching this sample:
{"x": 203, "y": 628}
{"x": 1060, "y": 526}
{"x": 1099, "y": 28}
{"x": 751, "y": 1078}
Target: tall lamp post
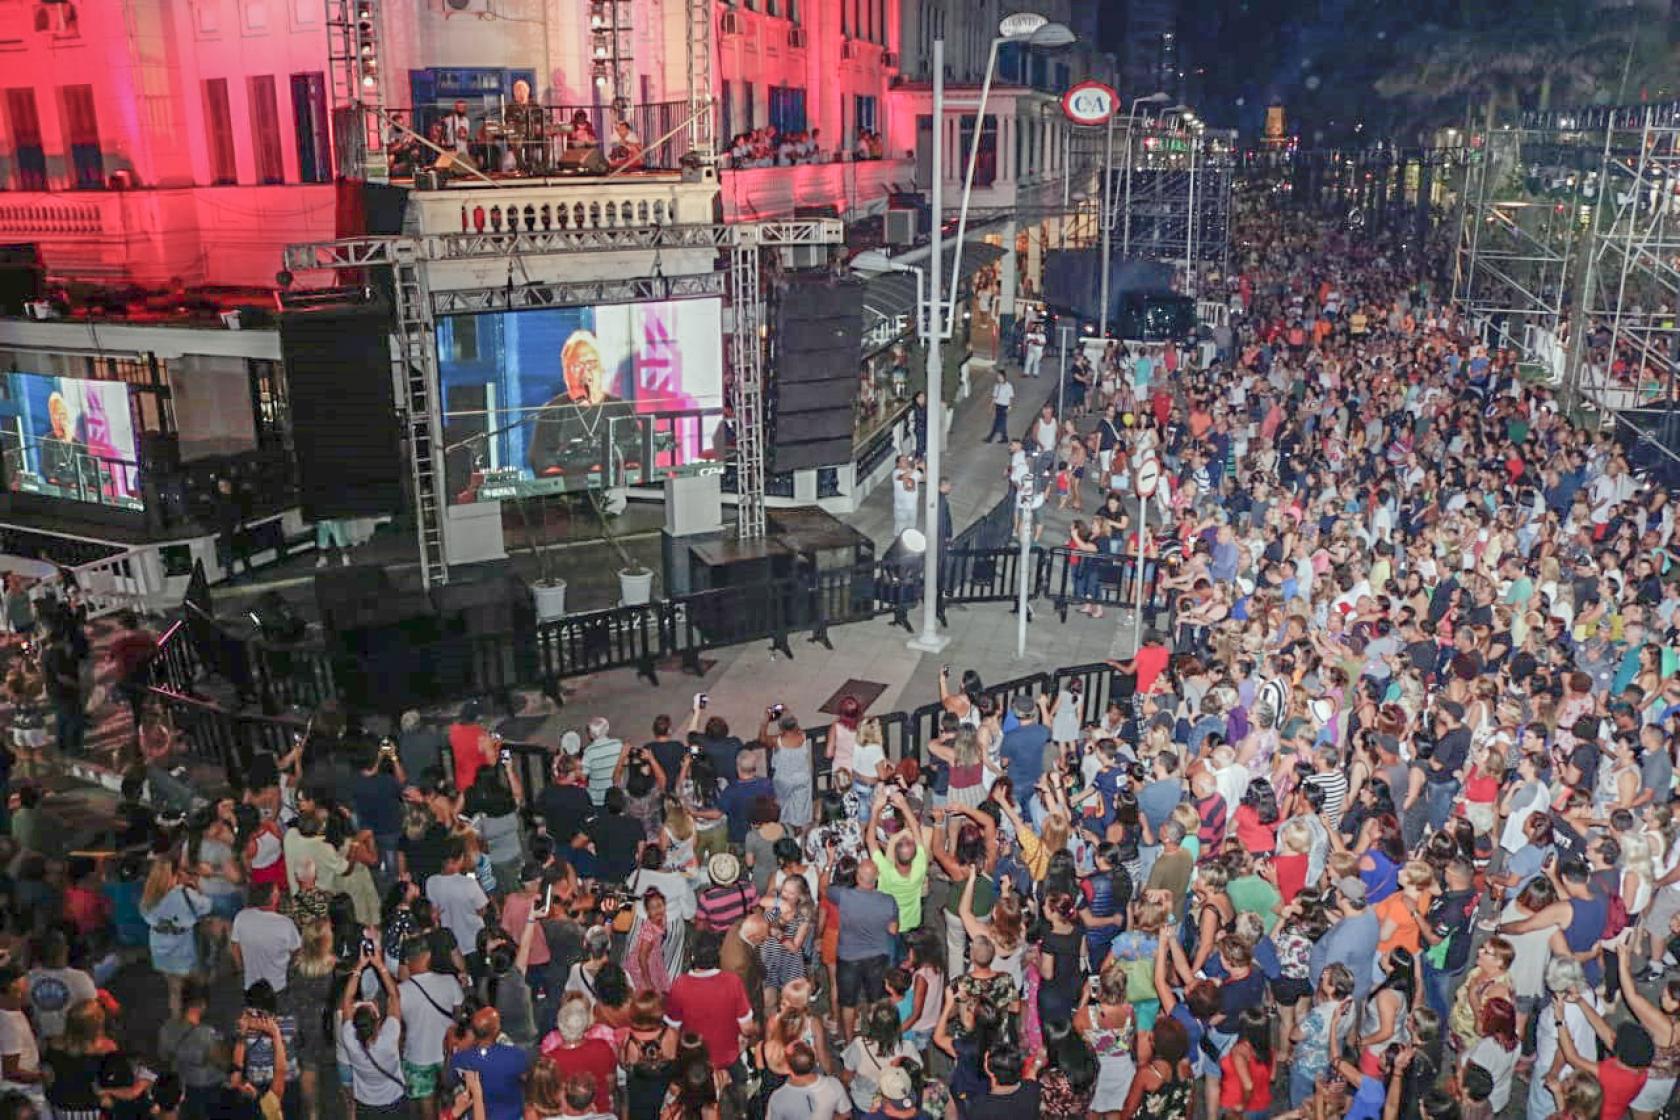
{"x": 1028, "y": 28}
{"x": 1108, "y": 199}
{"x": 1033, "y": 30}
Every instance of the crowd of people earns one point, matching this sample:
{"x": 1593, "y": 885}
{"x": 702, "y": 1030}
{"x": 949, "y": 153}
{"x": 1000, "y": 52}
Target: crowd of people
{"x": 1383, "y": 827}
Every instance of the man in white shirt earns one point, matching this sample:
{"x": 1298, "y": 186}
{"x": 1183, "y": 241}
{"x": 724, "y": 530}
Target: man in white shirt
{"x": 1003, "y": 395}
{"x": 457, "y": 129}
{"x": 1035, "y": 350}
{"x": 460, "y": 901}
{"x": 428, "y": 1000}
{"x": 20, "y": 1056}
{"x": 263, "y": 939}
{"x": 808, "y": 1094}
{"x": 600, "y": 760}
{"x": 54, "y": 987}
{"x": 906, "y": 495}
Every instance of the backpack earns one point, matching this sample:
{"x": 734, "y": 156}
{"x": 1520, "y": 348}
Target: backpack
{"x": 1616, "y": 917}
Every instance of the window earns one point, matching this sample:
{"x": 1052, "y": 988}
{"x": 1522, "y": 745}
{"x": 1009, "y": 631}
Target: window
{"x": 986, "y": 167}
{"x": 218, "y": 123}
{"x": 747, "y": 109}
{"x": 81, "y": 136}
{"x": 864, "y": 113}
{"x": 1062, "y": 79}
{"x": 28, "y": 157}
{"x": 727, "y": 105}
{"x": 309, "y": 119}
{"x": 265, "y": 129}
{"x": 846, "y": 23}
{"x": 787, "y": 109}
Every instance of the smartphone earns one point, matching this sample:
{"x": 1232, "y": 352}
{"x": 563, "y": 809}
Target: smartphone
{"x": 548, "y": 898}
{"x": 506, "y": 756}
{"x": 703, "y": 699}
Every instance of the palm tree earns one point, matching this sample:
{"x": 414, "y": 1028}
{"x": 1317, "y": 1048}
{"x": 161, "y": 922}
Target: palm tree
{"x": 1571, "y": 51}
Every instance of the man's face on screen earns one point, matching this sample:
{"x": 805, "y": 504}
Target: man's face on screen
{"x": 585, "y": 379}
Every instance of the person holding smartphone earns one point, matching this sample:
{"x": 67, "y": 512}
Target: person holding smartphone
{"x": 372, "y": 1040}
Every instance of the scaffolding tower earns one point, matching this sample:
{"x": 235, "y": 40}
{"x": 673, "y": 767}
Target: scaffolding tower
{"x": 1568, "y": 250}
{"x": 1172, "y": 200}
{"x": 1622, "y": 350}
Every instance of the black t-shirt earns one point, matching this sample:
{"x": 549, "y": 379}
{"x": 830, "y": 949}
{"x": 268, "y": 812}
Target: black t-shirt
{"x": 722, "y": 752}
{"x": 1450, "y": 753}
{"x": 615, "y": 836}
{"x": 1451, "y": 915}
{"x": 377, "y": 798}
{"x": 1585, "y": 758}
{"x": 1022, "y": 1104}
{"x": 669, "y": 754}
{"x": 565, "y": 810}
{"x": 1064, "y": 949}
{"x": 425, "y": 854}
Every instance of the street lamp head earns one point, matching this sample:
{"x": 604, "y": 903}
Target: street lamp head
{"x": 1034, "y": 30}
{"x": 1051, "y": 36}
{"x": 1021, "y": 25}
{"x": 1155, "y": 98}
{"x": 872, "y": 260}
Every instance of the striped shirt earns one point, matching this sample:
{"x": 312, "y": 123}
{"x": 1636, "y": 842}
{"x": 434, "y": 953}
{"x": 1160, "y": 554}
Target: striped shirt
{"x": 718, "y": 908}
{"x": 1334, "y": 783}
{"x": 600, "y": 759}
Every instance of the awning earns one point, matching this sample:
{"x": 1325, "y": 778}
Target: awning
{"x": 889, "y": 298}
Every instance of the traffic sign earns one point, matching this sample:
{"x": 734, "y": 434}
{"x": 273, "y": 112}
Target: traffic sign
{"x": 1090, "y": 103}
{"x": 1148, "y": 477}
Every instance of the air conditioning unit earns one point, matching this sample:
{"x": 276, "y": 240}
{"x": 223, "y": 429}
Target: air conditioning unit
{"x": 889, "y": 59}
{"x": 901, "y": 227}
{"x": 466, "y": 7}
{"x": 845, "y": 48}
{"x": 40, "y": 310}
{"x": 804, "y": 256}
{"x": 796, "y": 38}
{"x": 230, "y": 320}
{"x": 729, "y": 23}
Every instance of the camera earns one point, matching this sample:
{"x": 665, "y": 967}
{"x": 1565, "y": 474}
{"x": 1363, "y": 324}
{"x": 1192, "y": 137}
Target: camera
{"x": 388, "y": 747}
{"x": 776, "y": 710}
{"x": 701, "y": 699}
{"x": 504, "y": 756}
{"x": 367, "y": 946}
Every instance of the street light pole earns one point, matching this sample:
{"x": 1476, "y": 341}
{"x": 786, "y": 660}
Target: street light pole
{"x": 930, "y": 640}
{"x": 1108, "y": 220}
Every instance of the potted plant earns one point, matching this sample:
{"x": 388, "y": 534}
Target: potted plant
{"x": 548, "y": 590}
{"x": 635, "y": 580}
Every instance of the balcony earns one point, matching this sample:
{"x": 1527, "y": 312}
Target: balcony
{"x": 533, "y": 140}
{"x": 516, "y": 205}
{"x": 852, "y": 188}
{"x": 217, "y": 236}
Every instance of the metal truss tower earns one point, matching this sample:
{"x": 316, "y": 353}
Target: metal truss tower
{"x": 1173, "y": 201}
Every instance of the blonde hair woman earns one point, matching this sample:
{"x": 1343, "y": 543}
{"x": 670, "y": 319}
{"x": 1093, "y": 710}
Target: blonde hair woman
{"x": 310, "y": 988}
{"x": 172, "y": 906}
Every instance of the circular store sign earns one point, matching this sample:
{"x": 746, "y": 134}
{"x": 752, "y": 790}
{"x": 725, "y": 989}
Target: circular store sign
{"x": 1021, "y": 25}
{"x": 1090, "y": 103}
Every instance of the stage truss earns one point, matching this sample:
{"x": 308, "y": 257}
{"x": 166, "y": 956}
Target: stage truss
{"x": 1568, "y": 249}
{"x": 414, "y": 349}
{"x": 1171, "y": 197}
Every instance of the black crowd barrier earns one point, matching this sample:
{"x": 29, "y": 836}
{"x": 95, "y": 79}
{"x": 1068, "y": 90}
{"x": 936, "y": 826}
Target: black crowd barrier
{"x": 278, "y": 684}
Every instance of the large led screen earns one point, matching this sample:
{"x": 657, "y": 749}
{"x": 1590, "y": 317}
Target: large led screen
{"x": 65, "y": 437}
{"x": 556, "y": 399}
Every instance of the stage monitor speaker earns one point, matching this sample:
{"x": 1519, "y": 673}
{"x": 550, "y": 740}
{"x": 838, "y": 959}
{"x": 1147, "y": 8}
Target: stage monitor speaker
{"x": 813, "y": 453}
{"x": 23, "y": 278}
{"x": 340, "y": 593}
{"x": 344, "y": 422}
{"x": 581, "y": 161}
{"x": 818, "y": 345}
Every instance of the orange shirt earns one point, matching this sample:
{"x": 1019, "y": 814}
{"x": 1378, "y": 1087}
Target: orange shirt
{"x": 1406, "y": 936}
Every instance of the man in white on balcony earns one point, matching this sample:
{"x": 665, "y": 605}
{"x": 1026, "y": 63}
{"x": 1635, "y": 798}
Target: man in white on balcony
{"x": 457, "y": 129}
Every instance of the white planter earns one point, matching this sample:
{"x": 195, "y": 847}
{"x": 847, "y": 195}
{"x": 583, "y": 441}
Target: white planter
{"x": 634, "y": 587}
{"x": 550, "y": 597}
